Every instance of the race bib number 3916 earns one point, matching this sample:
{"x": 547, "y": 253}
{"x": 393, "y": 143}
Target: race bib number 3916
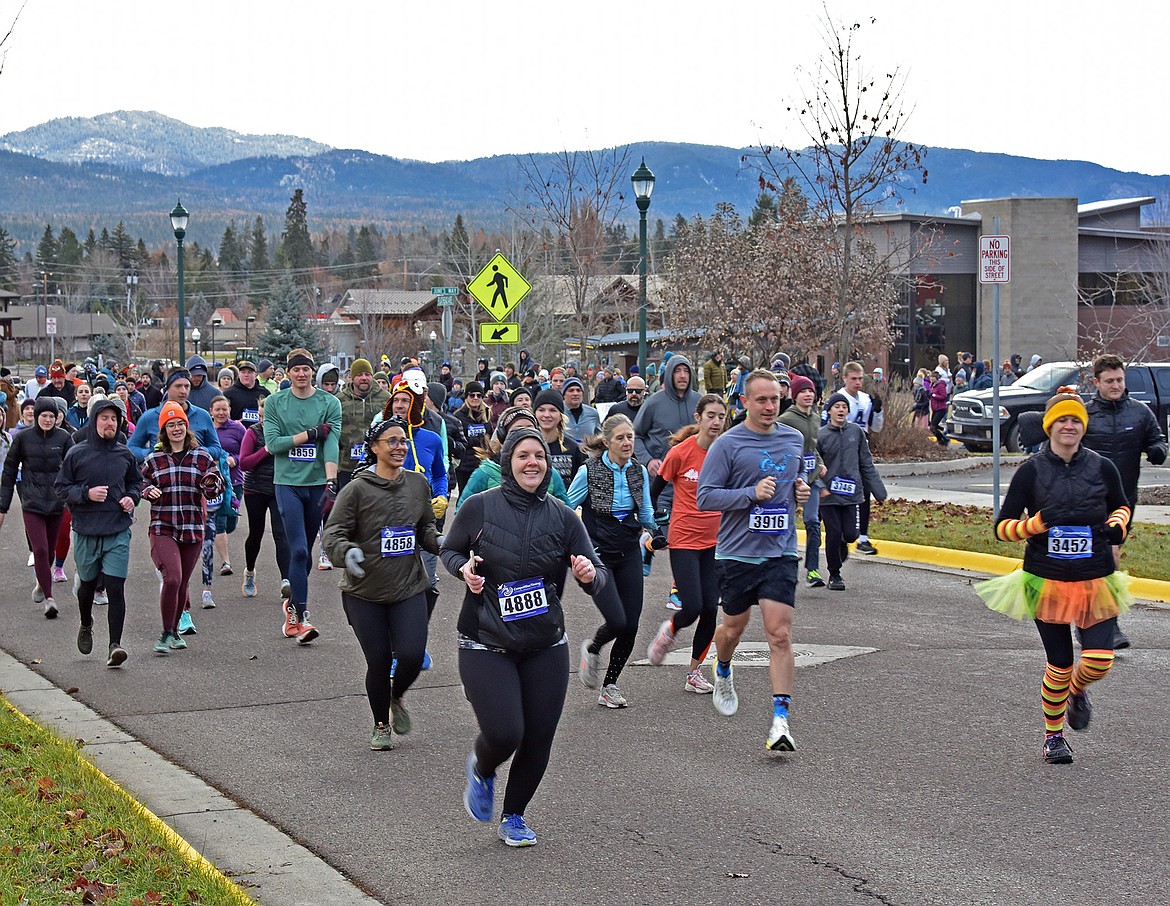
{"x": 768, "y": 519}
{"x": 523, "y": 599}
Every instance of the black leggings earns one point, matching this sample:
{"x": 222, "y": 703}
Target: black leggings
{"x": 627, "y": 588}
{"x": 385, "y": 632}
{"x": 697, "y": 583}
{"x": 517, "y": 699}
{"x": 840, "y": 524}
{"x": 1057, "y": 639}
{"x": 259, "y": 505}
{"x": 115, "y": 612}
{"x": 936, "y": 426}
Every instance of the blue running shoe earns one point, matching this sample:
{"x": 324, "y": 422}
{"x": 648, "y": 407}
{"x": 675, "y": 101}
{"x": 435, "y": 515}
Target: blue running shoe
{"x": 427, "y": 663}
{"x": 674, "y": 602}
{"x": 186, "y": 624}
{"x": 515, "y": 832}
{"x": 480, "y": 796}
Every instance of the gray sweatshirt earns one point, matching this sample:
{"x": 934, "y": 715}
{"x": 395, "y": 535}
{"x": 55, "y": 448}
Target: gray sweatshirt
{"x": 737, "y": 461}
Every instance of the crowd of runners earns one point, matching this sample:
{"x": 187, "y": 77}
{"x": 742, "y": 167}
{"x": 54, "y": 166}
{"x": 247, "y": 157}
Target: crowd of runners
{"x": 355, "y": 472}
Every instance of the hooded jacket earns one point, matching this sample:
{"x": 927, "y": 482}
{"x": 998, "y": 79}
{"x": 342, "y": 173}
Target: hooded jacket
{"x": 845, "y": 451}
{"x": 39, "y": 455}
{"x": 365, "y": 509}
{"x": 94, "y": 461}
{"x": 715, "y": 376}
{"x": 245, "y": 402}
{"x": 357, "y": 412}
{"x": 146, "y": 431}
{"x": 663, "y": 413}
{"x": 522, "y": 537}
{"x": 1121, "y": 431}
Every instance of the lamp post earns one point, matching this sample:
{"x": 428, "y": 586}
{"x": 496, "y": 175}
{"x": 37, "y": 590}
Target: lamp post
{"x": 179, "y": 217}
{"x": 131, "y": 288}
{"x": 248, "y": 323}
{"x": 196, "y": 336}
{"x": 434, "y": 336}
{"x": 643, "y": 181}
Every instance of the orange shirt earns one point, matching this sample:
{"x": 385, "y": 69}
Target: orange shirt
{"x": 690, "y": 528}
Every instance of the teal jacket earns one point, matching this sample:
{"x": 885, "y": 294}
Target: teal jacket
{"x": 488, "y": 476}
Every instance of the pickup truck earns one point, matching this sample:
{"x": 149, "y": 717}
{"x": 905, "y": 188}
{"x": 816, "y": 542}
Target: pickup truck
{"x": 969, "y": 421}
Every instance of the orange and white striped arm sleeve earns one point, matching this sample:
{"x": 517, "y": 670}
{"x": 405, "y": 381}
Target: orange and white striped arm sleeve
{"x": 1020, "y": 529}
{"x": 1120, "y": 518}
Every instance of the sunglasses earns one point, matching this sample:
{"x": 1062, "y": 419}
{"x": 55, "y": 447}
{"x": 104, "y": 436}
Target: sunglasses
{"x": 475, "y": 394}
{"x": 634, "y": 390}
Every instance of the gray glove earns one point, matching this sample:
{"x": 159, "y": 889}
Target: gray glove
{"x": 353, "y": 557}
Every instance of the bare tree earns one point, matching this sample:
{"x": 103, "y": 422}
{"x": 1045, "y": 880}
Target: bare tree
{"x": 8, "y": 35}
{"x": 576, "y": 199}
{"x": 855, "y": 164}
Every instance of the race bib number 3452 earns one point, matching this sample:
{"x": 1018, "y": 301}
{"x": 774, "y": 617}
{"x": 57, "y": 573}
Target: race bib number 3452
{"x": 523, "y": 599}
{"x": 1070, "y": 542}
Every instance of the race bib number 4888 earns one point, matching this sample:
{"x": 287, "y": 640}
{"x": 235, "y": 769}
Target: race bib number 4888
{"x": 523, "y": 599}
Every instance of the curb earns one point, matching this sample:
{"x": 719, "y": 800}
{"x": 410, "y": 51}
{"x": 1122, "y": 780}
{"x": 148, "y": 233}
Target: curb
{"x": 906, "y": 469}
{"x": 265, "y": 863}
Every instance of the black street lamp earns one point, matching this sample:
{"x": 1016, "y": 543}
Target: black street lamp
{"x": 179, "y": 217}
{"x": 643, "y": 181}
{"x": 248, "y": 323}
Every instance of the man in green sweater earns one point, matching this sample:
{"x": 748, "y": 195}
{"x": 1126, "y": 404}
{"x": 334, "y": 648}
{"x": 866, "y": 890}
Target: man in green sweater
{"x": 302, "y": 426}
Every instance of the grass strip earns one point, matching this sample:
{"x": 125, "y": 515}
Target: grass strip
{"x": 73, "y": 836}
{"x": 970, "y": 528}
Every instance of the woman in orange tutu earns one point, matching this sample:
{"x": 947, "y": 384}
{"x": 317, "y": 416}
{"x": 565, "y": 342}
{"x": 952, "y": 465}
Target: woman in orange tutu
{"x": 1076, "y": 511}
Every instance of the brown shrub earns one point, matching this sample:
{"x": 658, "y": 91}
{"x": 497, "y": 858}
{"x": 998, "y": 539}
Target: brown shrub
{"x": 900, "y": 439}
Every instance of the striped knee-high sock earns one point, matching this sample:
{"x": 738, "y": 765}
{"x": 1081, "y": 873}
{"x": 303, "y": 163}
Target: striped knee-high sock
{"x": 1054, "y": 696}
{"x": 1095, "y": 663}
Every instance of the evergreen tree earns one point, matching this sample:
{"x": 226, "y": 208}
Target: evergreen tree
{"x": 287, "y": 327}
{"x": 122, "y": 245}
{"x": 104, "y": 241}
{"x": 90, "y": 243}
{"x": 8, "y": 261}
{"x": 47, "y": 250}
{"x": 764, "y": 212}
{"x": 366, "y": 254}
{"x": 258, "y": 263}
{"x": 231, "y": 253}
{"x": 296, "y": 248}
{"x": 70, "y": 252}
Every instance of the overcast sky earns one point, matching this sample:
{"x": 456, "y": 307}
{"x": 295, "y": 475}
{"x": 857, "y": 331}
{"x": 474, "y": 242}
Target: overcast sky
{"x": 450, "y": 79}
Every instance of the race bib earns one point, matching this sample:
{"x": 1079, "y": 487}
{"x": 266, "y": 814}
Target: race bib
{"x": 846, "y": 487}
{"x": 357, "y": 452}
{"x": 250, "y": 415}
{"x": 476, "y": 431}
{"x": 810, "y": 462}
{"x": 215, "y": 502}
{"x": 398, "y": 541}
{"x": 303, "y": 453}
{"x": 1070, "y": 542}
{"x": 523, "y": 599}
{"x": 769, "y": 519}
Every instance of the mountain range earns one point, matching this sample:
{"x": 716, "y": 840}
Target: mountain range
{"x": 130, "y": 166}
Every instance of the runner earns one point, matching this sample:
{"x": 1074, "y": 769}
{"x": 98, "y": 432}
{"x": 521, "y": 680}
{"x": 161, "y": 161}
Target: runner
{"x": 801, "y": 416}
{"x": 227, "y": 515}
{"x": 301, "y": 428}
{"x": 38, "y": 453}
{"x": 488, "y": 474}
{"x": 381, "y": 519}
{"x": 565, "y": 455}
{"x": 1077, "y": 509}
{"x": 865, "y": 412}
{"x": 849, "y": 475}
{"x": 178, "y": 478}
{"x": 259, "y": 501}
{"x": 477, "y": 428}
{"x": 752, "y": 475}
{"x": 613, "y": 491}
{"x": 100, "y": 483}
{"x": 692, "y": 535}
{"x": 512, "y": 546}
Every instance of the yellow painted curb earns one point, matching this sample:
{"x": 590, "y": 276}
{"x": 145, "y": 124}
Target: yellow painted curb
{"x": 1144, "y": 589}
{"x": 185, "y": 849}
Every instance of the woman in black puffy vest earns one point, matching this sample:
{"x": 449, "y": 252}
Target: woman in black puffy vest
{"x": 513, "y": 546}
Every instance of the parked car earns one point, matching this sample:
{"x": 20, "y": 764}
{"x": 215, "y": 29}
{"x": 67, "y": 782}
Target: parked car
{"x": 969, "y": 421}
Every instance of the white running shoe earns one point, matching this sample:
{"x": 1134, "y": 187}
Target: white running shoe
{"x": 100, "y": 597}
{"x": 37, "y": 595}
{"x": 723, "y": 694}
{"x": 611, "y": 697}
{"x": 324, "y": 563}
{"x": 663, "y": 644}
{"x": 590, "y": 669}
{"x": 697, "y": 683}
{"x": 31, "y": 561}
{"x": 780, "y": 737}
{"x": 208, "y": 600}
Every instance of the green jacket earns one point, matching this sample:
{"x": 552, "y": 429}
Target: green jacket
{"x": 365, "y": 507}
{"x": 356, "y": 415}
{"x": 488, "y": 476}
{"x": 809, "y": 426}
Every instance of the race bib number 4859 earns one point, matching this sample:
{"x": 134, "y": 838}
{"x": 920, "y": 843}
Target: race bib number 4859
{"x": 523, "y": 599}
{"x": 303, "y": 453}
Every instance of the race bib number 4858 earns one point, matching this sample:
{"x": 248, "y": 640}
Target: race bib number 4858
{"x": 523, "y": 599}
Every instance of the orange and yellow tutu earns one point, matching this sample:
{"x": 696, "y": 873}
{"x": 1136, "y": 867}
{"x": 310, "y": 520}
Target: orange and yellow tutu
{"x": 1023, "y": 596}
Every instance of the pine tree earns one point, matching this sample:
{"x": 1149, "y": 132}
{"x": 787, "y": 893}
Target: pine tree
{"x": 765, "y": 211}
{"x": 47, "y": 250}
{"x": 70, "y": 252}
{"x": 90, "y": 243}
{"x": 287, "y": 326}
{"x": 8, "y": 261}
{"x": 258, "y": 263}
{"x": 122, "y": 245}
{"x": 296, "y": 248}
{"x": 366, "y": 254}
{"x": 231, "y": 254}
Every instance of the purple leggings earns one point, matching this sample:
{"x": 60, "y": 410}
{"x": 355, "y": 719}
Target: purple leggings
{"x": 41, "y": 530}
{"x": 176, "y": 561}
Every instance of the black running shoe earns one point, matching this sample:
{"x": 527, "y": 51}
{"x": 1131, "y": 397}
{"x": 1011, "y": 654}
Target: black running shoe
{"x": 1120, "y": 639}
{"x": 1056, "y": 750}
{"x": 1080, "y": 710}
{"x": 864, "y": 547}
{"x": 836, "y": 583}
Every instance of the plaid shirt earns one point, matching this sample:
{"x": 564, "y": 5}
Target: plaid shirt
{"x": 182, "y": 510}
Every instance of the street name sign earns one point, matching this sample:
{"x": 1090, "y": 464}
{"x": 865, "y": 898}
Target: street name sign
{"x": 499, "y": 288}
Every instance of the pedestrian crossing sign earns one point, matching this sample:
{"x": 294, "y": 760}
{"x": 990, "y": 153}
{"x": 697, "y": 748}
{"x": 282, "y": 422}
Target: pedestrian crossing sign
{"x": 499, "y": 288}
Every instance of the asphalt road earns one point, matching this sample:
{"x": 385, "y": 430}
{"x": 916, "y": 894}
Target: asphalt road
{"x": 918, "y": 778}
